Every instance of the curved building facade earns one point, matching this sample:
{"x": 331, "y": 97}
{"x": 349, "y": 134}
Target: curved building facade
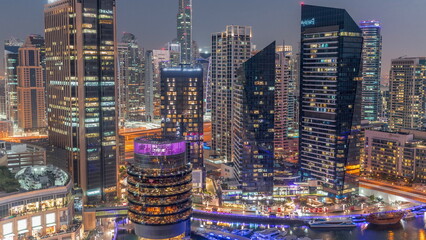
{"x": 42, "y": 208}
{"x": 159, "y": 188}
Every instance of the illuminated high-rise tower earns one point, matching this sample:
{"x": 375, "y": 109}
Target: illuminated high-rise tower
{"x": 253, "y": 100}
{"x": 230, "y": 49}
{"x": 159, "y": 188}
{"x": 371, "y": 67}
{"x": 182, "y": 111}
{"x": 81, "y": 83}
{"x": 286, "y": 141}
{"x": 184, "y": 30}
{"x": 11, "y": 63}
{"x": 407, "y": 86}
{"x": 330, "y": 111}
{"x": 130, "y": 84}
{"x": 31, "y": 89}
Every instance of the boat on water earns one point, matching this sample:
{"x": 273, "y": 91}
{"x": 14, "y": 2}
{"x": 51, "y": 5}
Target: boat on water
{"x": 358, "y": 219}
{"x": 418, "y": 213}
{"x": 409, "y": 215}
{"x": 323, "y": 223}
{"x": 387, "y": 218}
{"x": 269, "y": 234}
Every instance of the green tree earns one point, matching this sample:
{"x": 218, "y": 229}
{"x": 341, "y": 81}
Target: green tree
{"x": 8, "y": 183}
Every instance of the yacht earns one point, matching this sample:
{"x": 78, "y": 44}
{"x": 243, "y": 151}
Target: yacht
{"x": 269, "y": 234}
{"x": 358, "y": 219}
{"x": 323, "y": 223}
{"x": 388, "y": 218}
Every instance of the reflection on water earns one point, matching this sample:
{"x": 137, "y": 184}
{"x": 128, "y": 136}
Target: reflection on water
{"x": 406, "y": 230}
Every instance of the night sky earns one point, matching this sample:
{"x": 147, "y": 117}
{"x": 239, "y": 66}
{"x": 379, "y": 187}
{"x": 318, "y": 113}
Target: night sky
{"x": 154, "y": 21}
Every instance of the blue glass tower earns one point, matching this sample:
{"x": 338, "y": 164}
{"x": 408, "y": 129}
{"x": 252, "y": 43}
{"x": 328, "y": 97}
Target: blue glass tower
{"x": 253, "y": 125}
{"x": 331, "y": 46}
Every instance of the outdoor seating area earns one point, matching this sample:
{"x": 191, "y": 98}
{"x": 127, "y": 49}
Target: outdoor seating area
{"x": 159, "y": 201}
{"x": 150, "y": 220}
{"x": 160, "y": 210}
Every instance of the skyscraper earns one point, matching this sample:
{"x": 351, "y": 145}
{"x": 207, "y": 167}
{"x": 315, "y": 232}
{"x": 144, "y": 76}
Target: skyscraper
{"x": 407, "y": 85}
{"x": 285, "y": 130}
{"x": 2, "y": 96}
{"x": 80, "y": 65}
{"x": 149, "y": 86}
{"x": 11, "y": 63}
{"x": 159, "y": 190}
{"x": 122, "y": 89}
{"x": 31, "y": 89}
{"x": 130, "y": 77}
{"x": 207, "y": 87}
{"x": 160, "y": 59}
{"x": 230, "y": 49}
{"x": 182, "y": 109}
{"x": 184, "y": 30}
{"x": 331, "y": 47}
{"x": 371, "y": 67}
{"x": 253, "y": 99}
{"x": 174, "y": 49}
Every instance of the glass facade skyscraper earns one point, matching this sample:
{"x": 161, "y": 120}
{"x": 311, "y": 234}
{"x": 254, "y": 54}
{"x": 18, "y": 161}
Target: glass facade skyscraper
{"x": 331, "y": 46}
{"x": 11, "y": 63}
{"x": 184, "y": 30}
{"x": 182, "y": 109}
{"x": 371, "y": 67}
{"x": 253, "y": 99}
{"x": 130, "y": 79}
{"x": 80, "y": 65}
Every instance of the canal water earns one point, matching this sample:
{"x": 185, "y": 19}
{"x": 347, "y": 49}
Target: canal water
{"x": 406, "y": 230}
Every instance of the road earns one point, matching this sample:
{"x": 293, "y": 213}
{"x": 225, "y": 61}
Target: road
{"x": 26, "y": 138}
{"x": 402, "y": 191}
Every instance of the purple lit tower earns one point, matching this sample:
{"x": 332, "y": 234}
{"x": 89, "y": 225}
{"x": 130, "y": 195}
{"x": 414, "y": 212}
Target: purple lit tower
{"x": 159, "y": 191}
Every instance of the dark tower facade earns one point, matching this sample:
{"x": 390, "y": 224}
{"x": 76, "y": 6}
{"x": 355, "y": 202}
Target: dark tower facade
{"x": 11, "y": 63}
{"x": 182, "y": 109}
{"x": 81, "y": 86}
{"x": 330, "y": 98}
{"x": 253, "y": 128}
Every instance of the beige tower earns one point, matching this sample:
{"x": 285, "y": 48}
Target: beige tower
{"x": 230, "y": 49}
{"x": 31, "y": 91}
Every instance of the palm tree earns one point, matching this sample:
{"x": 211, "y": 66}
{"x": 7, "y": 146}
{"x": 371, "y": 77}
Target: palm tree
{"x": 207, "y": 198}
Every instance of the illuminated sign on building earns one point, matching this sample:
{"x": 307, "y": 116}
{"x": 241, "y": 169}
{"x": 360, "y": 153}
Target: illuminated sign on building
{"x": 160, "y": 149}
{"x": 308, "y": 22}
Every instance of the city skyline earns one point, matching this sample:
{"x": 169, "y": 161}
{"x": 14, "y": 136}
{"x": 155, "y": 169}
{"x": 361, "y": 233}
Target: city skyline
{"x": 114, "y": 124}
{"x": 282, "y": 18}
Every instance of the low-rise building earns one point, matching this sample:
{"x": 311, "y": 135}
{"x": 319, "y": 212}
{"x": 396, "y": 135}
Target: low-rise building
{"x": 43, "y": 208}
{"x": 400, "y": 155}
{"x": 21, "y": 155}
